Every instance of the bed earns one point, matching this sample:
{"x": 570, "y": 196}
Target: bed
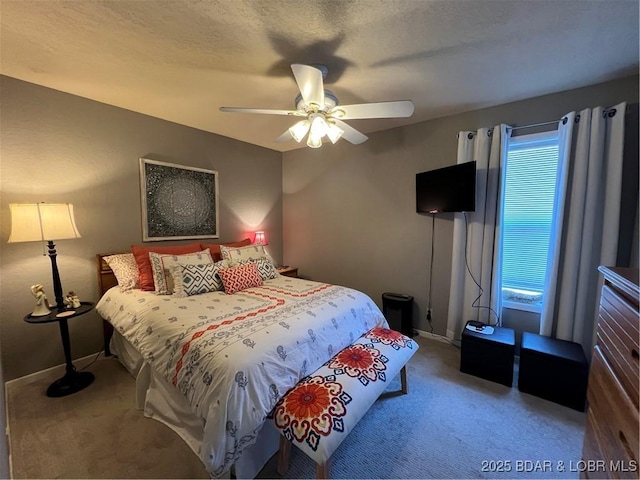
{"x": 212, "y": 366}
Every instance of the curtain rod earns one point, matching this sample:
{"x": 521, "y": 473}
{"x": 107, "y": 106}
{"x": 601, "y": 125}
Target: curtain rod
{"x": 563, "y": 119}
{"x": 609, "y": 110}
{"x": 515, "y": 127}
{"x": 541, "y": 124}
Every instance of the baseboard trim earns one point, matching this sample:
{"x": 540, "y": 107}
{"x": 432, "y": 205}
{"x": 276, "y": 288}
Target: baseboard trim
{"x": 80, "y": 363}
{"x": 433, "y": 336}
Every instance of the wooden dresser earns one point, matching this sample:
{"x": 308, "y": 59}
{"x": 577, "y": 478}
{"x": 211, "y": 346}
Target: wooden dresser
{"x": 611, "y": 445}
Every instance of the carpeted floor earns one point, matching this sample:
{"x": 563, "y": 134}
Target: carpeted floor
{"x": 451, "y": 425}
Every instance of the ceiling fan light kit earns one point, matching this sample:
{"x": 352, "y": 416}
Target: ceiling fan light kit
{"x": 317, "y": 130}
{"x": 299, "y": 130}
{"x": 334, "y": 133}
{"x": 323, "y": 116}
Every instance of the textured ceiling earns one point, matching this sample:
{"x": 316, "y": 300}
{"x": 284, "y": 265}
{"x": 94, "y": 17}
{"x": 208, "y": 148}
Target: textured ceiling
{"x": 181, "y": 60}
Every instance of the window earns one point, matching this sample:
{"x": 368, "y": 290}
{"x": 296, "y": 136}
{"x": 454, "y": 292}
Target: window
{"x": 528, "y": 209}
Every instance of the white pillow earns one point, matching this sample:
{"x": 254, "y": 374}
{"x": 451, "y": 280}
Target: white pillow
{"x": 161, "y": 264}
{"x": 239, "y": 254}
{"x": 125, "y": 269}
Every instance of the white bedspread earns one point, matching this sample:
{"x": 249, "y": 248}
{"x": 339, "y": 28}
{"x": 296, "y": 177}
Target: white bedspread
{"x": 234, "y": 356}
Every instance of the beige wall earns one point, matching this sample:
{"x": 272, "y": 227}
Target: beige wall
{"x": 61, "y": 148}
{"x": 343, "y": 214}
{"x": 349, "y": 211}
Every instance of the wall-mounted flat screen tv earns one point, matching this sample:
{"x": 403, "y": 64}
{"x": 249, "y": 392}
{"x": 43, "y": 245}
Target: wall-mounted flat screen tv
{"x": 448, "y": 189}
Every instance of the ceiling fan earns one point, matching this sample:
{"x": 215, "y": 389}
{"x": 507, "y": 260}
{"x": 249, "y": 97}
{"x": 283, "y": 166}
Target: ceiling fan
{"x": 321, "y": 113}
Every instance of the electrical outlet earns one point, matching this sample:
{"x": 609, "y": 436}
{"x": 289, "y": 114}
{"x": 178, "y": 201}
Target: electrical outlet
{"x": 429, "y": 313}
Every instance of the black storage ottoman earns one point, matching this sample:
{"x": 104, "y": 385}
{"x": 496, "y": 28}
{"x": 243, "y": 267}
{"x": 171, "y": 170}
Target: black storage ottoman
{"x": 488, "y": 356}
{"x": 556, "y": 370}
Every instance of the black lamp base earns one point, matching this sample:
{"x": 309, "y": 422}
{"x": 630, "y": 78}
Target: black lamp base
{"x": 71, "y": 383}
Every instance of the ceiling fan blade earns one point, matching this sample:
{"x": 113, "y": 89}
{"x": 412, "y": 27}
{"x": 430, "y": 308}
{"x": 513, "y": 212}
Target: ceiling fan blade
{"x": 350, "y": 134}
{"x": 260, "y": 110}
{"x": 285, "y": 137}
{"x": 309, "y": 80}
{"x": 402, "y": 108}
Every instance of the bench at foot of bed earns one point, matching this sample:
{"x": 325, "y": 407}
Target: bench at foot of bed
{"x": 317, "y": 414}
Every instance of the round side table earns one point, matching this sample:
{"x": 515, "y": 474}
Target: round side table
{"x": 72, "y": 381}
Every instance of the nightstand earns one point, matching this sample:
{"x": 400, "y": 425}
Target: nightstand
{"x": 72, "y": 381}
{"x": 288, "y": 271}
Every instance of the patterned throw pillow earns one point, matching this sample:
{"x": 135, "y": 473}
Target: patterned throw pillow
{"x": 125, "y": 269}
{"x": 266, "y": 268}
{"x": 239, "y": 278}
{"x": 161, "y": 266}
{"x": 196, "y": 279}
{"x": 238, "y": 254}
{"x": 141, "y": 254}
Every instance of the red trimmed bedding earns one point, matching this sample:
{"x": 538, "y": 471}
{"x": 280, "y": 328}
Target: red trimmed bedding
{"x": 234, "y": 356}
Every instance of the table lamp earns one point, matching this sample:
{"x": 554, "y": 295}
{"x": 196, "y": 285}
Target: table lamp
{"x": 260, "y": 237}
{"x": 33, "y": 222}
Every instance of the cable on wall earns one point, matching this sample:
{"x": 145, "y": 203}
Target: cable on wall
{"x": 433, "y": 226}
{"x": 474, "y": 304}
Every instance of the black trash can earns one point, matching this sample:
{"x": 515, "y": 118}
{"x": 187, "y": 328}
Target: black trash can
{"x": 398, "y": 310}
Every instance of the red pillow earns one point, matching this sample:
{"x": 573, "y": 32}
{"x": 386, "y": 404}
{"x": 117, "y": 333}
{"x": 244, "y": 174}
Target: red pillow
{"x": 236, "y": 279}
{"x": 214, "y": 249}
{"x": 141, "y": 254}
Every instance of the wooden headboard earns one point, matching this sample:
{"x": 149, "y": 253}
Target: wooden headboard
{"x": 106, "y": 277}
{"x": 106, "y": 280}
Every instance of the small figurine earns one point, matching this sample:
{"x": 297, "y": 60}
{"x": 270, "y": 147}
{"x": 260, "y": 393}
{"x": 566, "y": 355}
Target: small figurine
{"x": 42, "y": 304}
{"x": 72, "y": 300}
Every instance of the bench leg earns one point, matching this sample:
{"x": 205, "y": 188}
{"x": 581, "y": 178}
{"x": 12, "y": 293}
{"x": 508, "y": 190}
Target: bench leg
{"x": 403, "y": 380}
{"x": 283, "y": 455}
{"x": 322, "y": 470}
{"x": 404, "y": 389}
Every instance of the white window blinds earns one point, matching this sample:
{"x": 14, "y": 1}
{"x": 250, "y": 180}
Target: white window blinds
{"x": 530, "y": 183}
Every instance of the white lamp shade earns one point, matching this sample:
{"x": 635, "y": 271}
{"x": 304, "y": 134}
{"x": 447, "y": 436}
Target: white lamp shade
{"x": 334, "y": 132}
{"x": 313, "y": 141}
{"x": 260, "y": 238}
{"x": 318, "y": 125}
{"x": 31, "y": 222}
{"x": 299, "y": 130}
{"x": 317, "y": 130}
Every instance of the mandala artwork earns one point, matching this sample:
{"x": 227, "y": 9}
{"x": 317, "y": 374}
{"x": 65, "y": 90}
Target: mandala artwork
{"x": 178, "y": 202}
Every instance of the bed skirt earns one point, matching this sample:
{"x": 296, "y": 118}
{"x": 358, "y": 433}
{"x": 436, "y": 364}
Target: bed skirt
{"x": 162, "y": 402}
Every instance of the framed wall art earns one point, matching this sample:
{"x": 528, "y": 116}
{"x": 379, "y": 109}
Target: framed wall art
{"x": 178, "y": 202}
